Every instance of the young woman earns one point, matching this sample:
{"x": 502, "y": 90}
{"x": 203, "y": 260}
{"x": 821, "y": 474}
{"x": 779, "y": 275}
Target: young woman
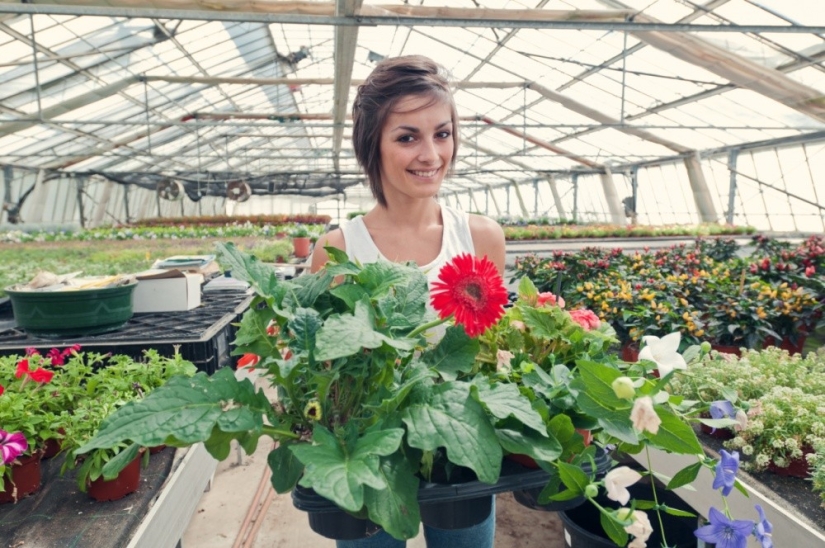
{"x": 405, "y": 135}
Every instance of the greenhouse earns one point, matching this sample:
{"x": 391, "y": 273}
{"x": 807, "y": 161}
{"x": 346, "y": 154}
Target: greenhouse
{"x": 601, "y": 320}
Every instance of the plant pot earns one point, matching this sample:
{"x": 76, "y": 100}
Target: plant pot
{"x": 727, "y": 349}
{"x": 787, "y": 344}
{"x": 25, "y": 479}
{"x": 630, "y": 352}
{"x": 72, "y": 313}
{"x": 301, "y": 247}
{"x": 797, "y": 468}
{"x": 125, "y": 483}
{"x": 328, "y": 520}
{"x": 529, "y": 462}
{"x": 156, "y": 449}
{"x": 582, "y": 527}
{"x": 51, "y": 447}
{"x": 717, "y": 433}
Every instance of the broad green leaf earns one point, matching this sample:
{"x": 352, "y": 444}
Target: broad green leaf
{"x": 252, "y": 336}
{"x": 286, "y": 469}
{"x": 304, "y": 327}
{"x": 378, "y": 277}
{"x": 306, "y": 289}
{"x": 337, "y": 256}
{"x": 615, "y": 531}
{"x": 395, "y": 508}
{"x": 685, "y": 476}
{"x": 573, "y": 477}
{"x": 117, "y": 463}
{"x": 454, "y": 420}
{"x": 595, "y": 381}
{"x": 339, "y": 476}
{"x": 455, "y": 353}
{"x": 261, "y": 277}
{"x": 185, "y": 408}
{"x": 674, "y": 435}
{"x": 350, "y": 294}
{"x": 345, "y": 334}
{"x": 504, "y": 400}
{"x": 539, "y": 447}
{"x": 526, "y": 288}
{"x": 219, "y": 444}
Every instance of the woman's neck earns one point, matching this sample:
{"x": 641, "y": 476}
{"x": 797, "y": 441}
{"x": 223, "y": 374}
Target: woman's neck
{"x": 411, "y": 214}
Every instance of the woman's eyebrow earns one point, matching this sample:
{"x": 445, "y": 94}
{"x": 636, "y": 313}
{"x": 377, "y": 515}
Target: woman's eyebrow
{"x": 414, "y": 129}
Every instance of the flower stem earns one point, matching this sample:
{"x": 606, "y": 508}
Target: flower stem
{"x": 655, "y": 497}
{"x": 429, "y": 325}
{"x": 278, "y": 434}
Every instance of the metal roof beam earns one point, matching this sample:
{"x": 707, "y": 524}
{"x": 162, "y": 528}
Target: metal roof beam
{"x": 346, "y": 41}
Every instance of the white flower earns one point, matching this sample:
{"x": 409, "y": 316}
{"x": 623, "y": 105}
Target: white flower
{"x": 640, "y": 528}
{"x": 664, "y": 352}
{"x": 741, "y": 421}
{"x": 503, "y": 358}
{"x": 644, "y": 417}
{"x": 618, "y": 480}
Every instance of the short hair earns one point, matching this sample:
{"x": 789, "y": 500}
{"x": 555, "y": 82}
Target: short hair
{"x": 390, "y": 81}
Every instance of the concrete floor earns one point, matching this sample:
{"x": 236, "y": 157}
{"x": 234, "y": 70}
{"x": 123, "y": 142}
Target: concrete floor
{"x": 221, "y": 513}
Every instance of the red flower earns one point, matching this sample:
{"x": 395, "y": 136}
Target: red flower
{"x": 585, "y": 318}
{"x": 248, "y": 360}
{"x": 471, "y": 289}
{"x": 810, "y": 271}
{"x": 41, "y": 375}
{"x": 2, "y": 389}
{"x": 56, "y": 357}
{"x": 31, "y": 351}
{"x": 22, "y": 368}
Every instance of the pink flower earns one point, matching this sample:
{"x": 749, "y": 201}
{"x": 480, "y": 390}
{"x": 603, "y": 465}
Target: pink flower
{"x": 503, "y": 358}
{"x": 515, "y": 324}
{"x": 549, "y": 298}
{"x": 31, "y": 351}
{"x": 56, "y": 357}
{"x": 644, "y": 417}
{"x": 810, "y": 271}
{"x": 585, "y": 318}
{"x": 618, "y": 480}
{"x": 12, "y": 445}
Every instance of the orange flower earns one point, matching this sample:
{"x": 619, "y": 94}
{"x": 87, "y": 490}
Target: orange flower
{"x": 471, "y": 289}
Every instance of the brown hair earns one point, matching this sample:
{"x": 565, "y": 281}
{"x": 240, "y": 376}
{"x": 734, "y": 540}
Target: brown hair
{"x": 391, "y": 80}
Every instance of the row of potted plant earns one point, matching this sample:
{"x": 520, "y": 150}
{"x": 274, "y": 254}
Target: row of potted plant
{"x": 55, "y": 403}
{"x": 705, "y": 292}
{"x": 261, "y": 220}
{"x": 368, "y": 411}
{"x": 777, "y": 400}
{"x": 530, "y": 231}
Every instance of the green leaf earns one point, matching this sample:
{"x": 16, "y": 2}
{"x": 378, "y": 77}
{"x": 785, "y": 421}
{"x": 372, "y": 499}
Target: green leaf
{"x": 185, "y": 408}
{"x": 454, "y": 420}
{"x": 341, "y": 476}
{"x": 676, "y": 512}
{"x": 595, "y": 384}
{"x": 504, "y": 400}
{"x": 117, "y": 463}
{"x": 306, "y": 289}
{"x": 539, "y": 447}
{"x": 526, "y": 288}
{"x": 455, "y": 353}
{"x": 338, "y": 256}
{"x": 379, "y": 277}
{"x": 346, "y": 334}
{"x": 304, "y": 326}
{"x": 261, "y": 277}
{"x": 252, "y": 336}
{"x": 573, "y": 477}
{"x": 286, "y": 469}
{"x": 396, "y": 507}
{"x": 613, "y": 529}
{"x": 350, "y": 294}
{"x": 674, "y": 435}
{"x": 685, "y": 476}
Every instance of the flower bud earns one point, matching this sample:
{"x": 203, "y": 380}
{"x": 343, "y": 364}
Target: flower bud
{"x": 705, "y": 346}
{"x": 591, "y": 491}
{"x": 623, "y": 388}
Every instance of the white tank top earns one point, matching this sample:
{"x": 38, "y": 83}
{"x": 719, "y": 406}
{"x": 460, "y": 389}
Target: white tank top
{"x": 455, "y": 240}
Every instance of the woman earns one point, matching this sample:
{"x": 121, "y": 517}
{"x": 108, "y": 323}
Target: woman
{"x": 405, "y": 136}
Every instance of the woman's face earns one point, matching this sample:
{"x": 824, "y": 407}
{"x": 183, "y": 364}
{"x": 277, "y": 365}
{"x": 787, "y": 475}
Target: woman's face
{"x": 416, "y": 147}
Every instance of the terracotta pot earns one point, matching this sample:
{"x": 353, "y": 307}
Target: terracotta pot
{"x": 786, "y": 344}
{"x": 301, "y": 246}
{"x": 630, "y": 352}
{"x": 125, "y": 483}
{"x": 156, "y": 449}
{"x": 727, "y": 349}
{"x": 25, "y": 479}
{"x": 52, "y": 446}
{"x": 797, "y": 468}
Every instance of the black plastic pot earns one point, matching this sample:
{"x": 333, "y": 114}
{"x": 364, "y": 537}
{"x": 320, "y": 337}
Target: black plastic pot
{"x": 582, "y": 527}
{"x": 530, "y": 497}
{"x": 328, "y": 520}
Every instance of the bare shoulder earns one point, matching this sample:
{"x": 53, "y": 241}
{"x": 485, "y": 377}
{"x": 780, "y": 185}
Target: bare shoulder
{"x": 488, "y": 239}
{"x": 334, "y": 238}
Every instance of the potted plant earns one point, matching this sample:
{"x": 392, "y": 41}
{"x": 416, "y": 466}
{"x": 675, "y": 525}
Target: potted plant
{"x": 300, "y": 241}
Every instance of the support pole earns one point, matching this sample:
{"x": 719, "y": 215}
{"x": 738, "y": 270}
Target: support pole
{"x": 38, "y": 199}
{"x": 612, "y": 197}
{"x": 524, "y": 212}
{"x": 493, "y": 198}
{"x": 556, "y": 197}
{"x": 575, "y": 197}
{"x": 100, "y": 208}
{"x": 126, "y": 203}
{"x": 707, "y": 211}
{"x": 732, "y": 157}
{"x": 8, "y": 173}
{"x": 79, "y": 183}
{"x": 634, "y": 188}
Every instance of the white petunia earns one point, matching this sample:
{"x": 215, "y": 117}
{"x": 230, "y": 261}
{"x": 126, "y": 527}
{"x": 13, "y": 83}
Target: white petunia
{"x": 664, "y": 352}
{"x": 618, "y": 480}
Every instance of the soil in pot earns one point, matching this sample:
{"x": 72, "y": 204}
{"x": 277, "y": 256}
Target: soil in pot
{"x": 25, "y": 479}
{"x": 125, "y": 483}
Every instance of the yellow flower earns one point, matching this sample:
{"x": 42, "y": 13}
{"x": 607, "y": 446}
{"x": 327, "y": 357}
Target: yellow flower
{"x": 313, "y": 411}
{"x": 700, "y": 332}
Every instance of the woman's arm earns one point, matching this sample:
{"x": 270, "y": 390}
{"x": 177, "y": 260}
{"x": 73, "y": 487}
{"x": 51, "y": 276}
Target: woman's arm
{"x": 319, "y": 254}
{"x": 488, "y": 239}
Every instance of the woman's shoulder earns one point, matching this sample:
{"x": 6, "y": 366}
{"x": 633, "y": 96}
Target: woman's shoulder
{"x": 484, "y": 227}
{"x": 333, "y": 238}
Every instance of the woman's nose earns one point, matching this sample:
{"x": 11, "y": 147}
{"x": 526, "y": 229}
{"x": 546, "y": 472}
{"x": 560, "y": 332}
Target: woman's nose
{"x": 428, "y": 151}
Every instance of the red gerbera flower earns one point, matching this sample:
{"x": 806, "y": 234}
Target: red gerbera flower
{"x": 22, "y": 368}
{"x": 248, "y": 360}
{"x": 471, "y": 289}
{"x": 41, "y": 375}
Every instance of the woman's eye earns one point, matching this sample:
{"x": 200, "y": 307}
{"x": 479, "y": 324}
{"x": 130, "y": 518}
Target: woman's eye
{"x": 405, "y": 139}
{"x": 444, "y": 134}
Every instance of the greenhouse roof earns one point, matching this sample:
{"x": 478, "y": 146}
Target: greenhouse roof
{"x": 262, "y": 91}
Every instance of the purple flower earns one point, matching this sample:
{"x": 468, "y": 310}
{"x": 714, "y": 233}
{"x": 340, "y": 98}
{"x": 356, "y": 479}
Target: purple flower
{"x": 726, "y": 471}
{"x": 763, "y": 529}
{"x": 12, "y": 445}
{"x": 725, "y": 533}
{"x": 721, "y": 409}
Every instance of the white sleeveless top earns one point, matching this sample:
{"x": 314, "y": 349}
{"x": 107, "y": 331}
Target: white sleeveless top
{"x": 455, "y": 240}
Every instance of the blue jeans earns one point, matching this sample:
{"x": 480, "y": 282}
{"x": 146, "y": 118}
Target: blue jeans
{"x": 477, "y": 536}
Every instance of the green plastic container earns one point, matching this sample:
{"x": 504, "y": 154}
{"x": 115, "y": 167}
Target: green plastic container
{"x": 57, "y": 314}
